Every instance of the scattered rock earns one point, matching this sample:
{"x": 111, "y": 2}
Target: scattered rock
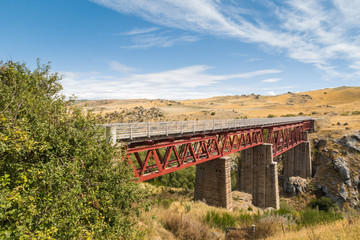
{"x": 241, "y": 196}
{"x": 136, "y": 114}
{"x": 357, "y": 136}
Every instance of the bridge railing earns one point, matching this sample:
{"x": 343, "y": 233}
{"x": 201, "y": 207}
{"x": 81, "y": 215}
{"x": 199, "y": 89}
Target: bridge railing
{"x": 123, "y": 131}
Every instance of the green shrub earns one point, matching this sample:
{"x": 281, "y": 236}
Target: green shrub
{"x": 323, "y": 204}
{"x": 247, "y": 218}
{"x": 310, "y": 217}
{"x": 355, "y": 113}
{"x": 59, "y": 178}
{"x": 284, "y": 210}
{"x": 165, "y": 203}
{"x": 271, "y": 116}
{"x": 187, "y": 207}
{"x": 289, "y": 115}
{"x": 220, "y": 220}
{"x": 184, "y": 178}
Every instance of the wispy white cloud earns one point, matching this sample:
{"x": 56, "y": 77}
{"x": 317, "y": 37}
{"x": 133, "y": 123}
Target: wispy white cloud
{"x": 160, "y": 40}
{"x": 271, "y": 80}
{"x": 321, "y": 33}
{"x": 253, "y": 60}
{"x": 137, "y": 31}
{"x": 186, "y": 82}
{"x": 119, "y": 67}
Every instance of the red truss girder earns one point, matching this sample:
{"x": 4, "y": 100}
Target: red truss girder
{"x": 150, "y": 159}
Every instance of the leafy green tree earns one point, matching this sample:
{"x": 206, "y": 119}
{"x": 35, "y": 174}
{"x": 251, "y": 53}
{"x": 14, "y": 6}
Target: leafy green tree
{"x": 59, "y": 178}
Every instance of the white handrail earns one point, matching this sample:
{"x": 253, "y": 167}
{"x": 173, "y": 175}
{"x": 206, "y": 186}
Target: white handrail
{"x": 147, "y": 130}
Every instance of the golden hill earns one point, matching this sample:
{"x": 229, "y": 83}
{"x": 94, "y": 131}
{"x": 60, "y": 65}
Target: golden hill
{"x": 338, "y": 107}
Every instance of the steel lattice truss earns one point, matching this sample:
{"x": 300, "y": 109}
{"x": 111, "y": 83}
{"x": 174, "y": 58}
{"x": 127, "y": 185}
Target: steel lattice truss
{"x": 153, "y": 158}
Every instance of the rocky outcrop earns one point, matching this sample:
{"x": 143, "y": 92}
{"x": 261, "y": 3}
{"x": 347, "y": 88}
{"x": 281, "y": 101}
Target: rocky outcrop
{"x": 340, "y": 165}
{"x": 336, "y": 169}
{"x": 295, "y": 185}
{"x": 352, "y": 141}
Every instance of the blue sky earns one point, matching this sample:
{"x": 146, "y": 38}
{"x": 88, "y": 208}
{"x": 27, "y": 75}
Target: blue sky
{"x": 185, "y": 49}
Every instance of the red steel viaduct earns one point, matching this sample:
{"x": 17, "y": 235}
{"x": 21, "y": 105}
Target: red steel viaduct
{"x": 158, "y": 148}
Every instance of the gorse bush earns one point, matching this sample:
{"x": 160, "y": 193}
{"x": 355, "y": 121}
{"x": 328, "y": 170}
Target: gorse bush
{"x": 59, "y": 178}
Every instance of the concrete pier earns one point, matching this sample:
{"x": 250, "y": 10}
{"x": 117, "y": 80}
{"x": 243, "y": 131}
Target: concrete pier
{"x": 297, "y": 161}
{"x": 258, "y": 176}
{"x": 213, "y": 183}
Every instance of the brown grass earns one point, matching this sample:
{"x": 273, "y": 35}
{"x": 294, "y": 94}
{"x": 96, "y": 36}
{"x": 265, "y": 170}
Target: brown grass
{"x": 186, "y": 227}
{"x": 265, "y": 228}
{"x": 342, "y": 229}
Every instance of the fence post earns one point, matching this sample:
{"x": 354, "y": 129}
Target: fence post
{"x": 193, "y": 126}
{"x": 167, "y": 129}
{"x": 148, "y": 129}
{"x": 253, "y": 228}
{"x": 111, "y": 134}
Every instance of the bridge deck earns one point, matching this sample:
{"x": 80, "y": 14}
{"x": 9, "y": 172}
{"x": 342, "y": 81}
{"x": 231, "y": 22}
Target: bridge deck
{"x": 130, "y": 131}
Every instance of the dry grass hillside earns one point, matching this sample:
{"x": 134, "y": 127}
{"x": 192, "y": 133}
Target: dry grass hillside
{"x": 338, "y": 108}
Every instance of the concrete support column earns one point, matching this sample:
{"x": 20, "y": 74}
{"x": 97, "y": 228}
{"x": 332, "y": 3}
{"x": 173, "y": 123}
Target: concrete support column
{"x": 257, "y": 175}
{"x": 297, "y": 161}
{"x": 213, "y": 183}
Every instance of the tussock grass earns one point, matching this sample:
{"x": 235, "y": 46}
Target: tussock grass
{"x": 186, "y": 227}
